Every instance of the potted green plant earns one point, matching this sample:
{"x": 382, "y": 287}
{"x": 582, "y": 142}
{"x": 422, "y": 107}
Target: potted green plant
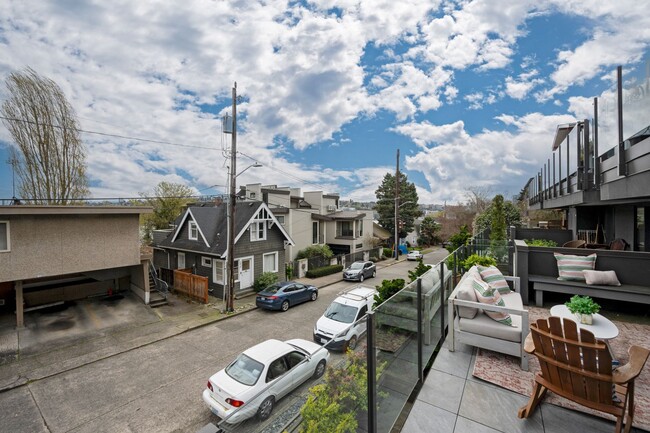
{"x": 583, "y": 307}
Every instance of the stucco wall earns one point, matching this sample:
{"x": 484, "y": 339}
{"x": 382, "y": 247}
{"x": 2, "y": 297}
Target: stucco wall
{"x": 50, "y": 245}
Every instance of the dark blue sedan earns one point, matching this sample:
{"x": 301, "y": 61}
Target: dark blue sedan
{"x": 281, "y": 296}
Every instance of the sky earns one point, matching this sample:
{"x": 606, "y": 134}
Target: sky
{"x": 469, "y": 92}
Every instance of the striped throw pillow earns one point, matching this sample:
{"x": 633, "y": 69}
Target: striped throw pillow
{"x": 570, "y": 267}
{"x": 489, "y": 296}
{"x": 494, "y": 278}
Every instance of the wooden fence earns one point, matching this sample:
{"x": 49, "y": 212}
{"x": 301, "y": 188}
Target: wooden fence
{"x": 194, "y": 286}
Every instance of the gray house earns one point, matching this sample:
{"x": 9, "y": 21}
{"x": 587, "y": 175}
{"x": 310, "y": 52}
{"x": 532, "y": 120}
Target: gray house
{"x": 200, "y": 239}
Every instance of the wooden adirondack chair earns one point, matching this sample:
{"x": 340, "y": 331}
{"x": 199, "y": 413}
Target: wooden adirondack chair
{"x": 579, "y": 367}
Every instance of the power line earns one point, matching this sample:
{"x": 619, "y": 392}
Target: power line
{"x": 105, "y": 134}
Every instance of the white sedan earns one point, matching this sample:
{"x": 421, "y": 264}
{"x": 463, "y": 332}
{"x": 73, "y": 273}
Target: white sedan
{"x": 414, "y": 255}
{"x": 262, "y": 375}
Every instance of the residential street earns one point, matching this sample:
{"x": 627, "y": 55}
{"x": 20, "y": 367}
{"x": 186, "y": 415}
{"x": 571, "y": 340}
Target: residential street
{"x": 157, "y": 387}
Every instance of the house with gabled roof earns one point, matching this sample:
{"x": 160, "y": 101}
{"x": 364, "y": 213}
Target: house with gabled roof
{"x": 199, "y": 242}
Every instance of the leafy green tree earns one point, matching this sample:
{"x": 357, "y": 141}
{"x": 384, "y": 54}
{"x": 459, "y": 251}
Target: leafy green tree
{"x": 51, "y": 158}
{"x": 168, "y": 200}
{"x": 459, "y": 239}
{"x": 408, "y": 199}
{"x": 315, "y": 251}
{"x": 429, "y": 229}
{"x": 512, "y": 215}
{"x": 265, "y": 280}
{"x": 498, "y": 223}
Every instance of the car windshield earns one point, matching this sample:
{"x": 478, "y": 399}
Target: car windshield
{"x": 274, "y": 288}
{"x": 341, "y": 313}
{"x": 245, "y": 370}
{"x": 356, "y": 265}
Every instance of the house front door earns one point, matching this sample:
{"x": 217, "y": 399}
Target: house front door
{"x": 181, "y": 260}
{"x": 245, "y": 273}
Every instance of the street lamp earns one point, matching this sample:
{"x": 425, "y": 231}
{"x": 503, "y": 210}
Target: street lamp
{"x": 230, "y": 249}
{"x": 397, "y": 224}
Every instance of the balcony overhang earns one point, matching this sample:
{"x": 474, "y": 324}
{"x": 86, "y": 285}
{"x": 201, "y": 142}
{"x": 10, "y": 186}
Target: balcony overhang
{"x": 561, "y": 134}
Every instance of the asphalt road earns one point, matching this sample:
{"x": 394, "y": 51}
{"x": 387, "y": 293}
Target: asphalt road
{"x": 157, "y": 388}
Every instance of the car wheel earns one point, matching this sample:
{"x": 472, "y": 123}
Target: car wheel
{"x": 265, "y": 409}
{"x": 361, "y": 278}
{"x": 314, "y": 296}
{"x": 284, "y": 306}
{"x": 352, "y": 343}
{"x": 374, "y": 274}
{"x": 320, "y": 369}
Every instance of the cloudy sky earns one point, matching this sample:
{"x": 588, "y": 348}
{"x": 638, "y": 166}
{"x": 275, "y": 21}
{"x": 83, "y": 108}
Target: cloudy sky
{"x": 470, "y": 92}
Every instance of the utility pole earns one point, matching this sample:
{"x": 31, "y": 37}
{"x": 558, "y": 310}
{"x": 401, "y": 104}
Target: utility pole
{"x": 397, "y": 207}
{"x": 230, "y": 251}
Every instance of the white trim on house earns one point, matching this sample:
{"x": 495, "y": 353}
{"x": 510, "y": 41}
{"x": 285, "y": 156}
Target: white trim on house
{"x": 275, "y": 262}
{"x": 251, "y": 270}
{"x": 255, "y": 228}
{"x": 180, "y": 226}
{"x": 271, "y": 217}
{"x": 7, "y": 231}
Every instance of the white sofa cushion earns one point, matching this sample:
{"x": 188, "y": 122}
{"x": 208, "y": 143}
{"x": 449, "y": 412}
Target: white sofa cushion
{"x": 466, "y": 293}
{"x": 483, "y": 325}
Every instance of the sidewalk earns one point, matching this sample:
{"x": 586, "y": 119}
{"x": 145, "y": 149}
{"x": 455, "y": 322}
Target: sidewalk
{"x": 64, "y": 340}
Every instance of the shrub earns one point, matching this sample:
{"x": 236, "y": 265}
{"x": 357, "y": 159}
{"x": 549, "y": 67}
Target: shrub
{"x": 332, "y": 406}
{"x": 419, "y": 270}
{"x": 288, "y": 272}
{"x": 388, "y": 288}
{"x": 388, "y": 252}
{"x": 315, "y": 251}
{"x": 540, "y": 243}
{"x": 476, "y": 259}
{"x": 325, "y": 270}
{"x": 264, "y": 281}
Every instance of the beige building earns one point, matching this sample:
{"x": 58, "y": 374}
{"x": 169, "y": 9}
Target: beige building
{"x": 51, "y": 254}
{"x": 314, "y": 218}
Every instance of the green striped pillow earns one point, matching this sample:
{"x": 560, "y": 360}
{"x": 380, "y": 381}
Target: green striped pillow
{"x": 493, "y": 276}
{"x": 570, "y": 267}
{"x": 489, "y": 296}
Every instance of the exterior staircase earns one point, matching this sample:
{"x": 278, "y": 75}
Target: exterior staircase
{"x": 158, "y": 289}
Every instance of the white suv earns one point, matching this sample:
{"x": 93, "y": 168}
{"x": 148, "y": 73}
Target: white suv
{"x": 339, "y": 327}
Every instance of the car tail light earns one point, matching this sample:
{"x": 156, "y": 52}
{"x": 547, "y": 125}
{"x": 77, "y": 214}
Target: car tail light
{"x": 234, "y": 403}
{"x": 210, "y": 386}
{"x": 272, "y": 297}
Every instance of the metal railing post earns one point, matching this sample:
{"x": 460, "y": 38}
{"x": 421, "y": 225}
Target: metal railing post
{"x": 442, "y": 300}
{"x": 372, "y": 373}
{"x": 420, "y": 333}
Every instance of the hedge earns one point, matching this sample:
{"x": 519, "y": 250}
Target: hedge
{"x": 325, "y": 270}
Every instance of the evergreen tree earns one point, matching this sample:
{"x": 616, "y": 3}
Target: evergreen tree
{"x": 408, "y": 199}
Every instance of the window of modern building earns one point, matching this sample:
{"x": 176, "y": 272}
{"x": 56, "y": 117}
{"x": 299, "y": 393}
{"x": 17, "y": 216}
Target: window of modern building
{"x": 314, "y": 232}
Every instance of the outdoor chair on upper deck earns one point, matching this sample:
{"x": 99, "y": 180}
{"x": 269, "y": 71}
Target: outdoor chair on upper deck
{"x": 579, "y": 367}
{"x": 578, "y": 243}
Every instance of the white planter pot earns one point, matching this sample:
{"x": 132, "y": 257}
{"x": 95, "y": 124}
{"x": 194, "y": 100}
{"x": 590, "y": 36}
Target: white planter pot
{"x": 585, "y": 319}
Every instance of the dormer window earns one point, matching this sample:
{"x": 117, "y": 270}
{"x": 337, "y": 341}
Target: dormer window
{"x": 258, "y": 231}
{"x": 194, "y": 231}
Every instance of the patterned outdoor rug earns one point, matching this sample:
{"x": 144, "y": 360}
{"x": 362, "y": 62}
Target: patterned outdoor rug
{"x": 504, "y": 370}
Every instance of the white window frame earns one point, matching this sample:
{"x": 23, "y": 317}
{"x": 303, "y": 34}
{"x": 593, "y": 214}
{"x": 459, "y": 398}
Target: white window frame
{"x": 275, "y": 262}
{"x": 206, "y": 261}
{"x": 255, "y": 231}
{"x": 7, "y": 232}
{"x": 218, "y": 265}
{"x": 315, "y": 232}
{"x": 193, "y": 227}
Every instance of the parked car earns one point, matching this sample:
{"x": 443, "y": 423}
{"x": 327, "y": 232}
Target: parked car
{"x": 281, "y": 296}
{"x": 260, "y": 376}
{"x": 414, "y": 255}
{"x": 358, "y": 271}
{"x": 339, "y": 327}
